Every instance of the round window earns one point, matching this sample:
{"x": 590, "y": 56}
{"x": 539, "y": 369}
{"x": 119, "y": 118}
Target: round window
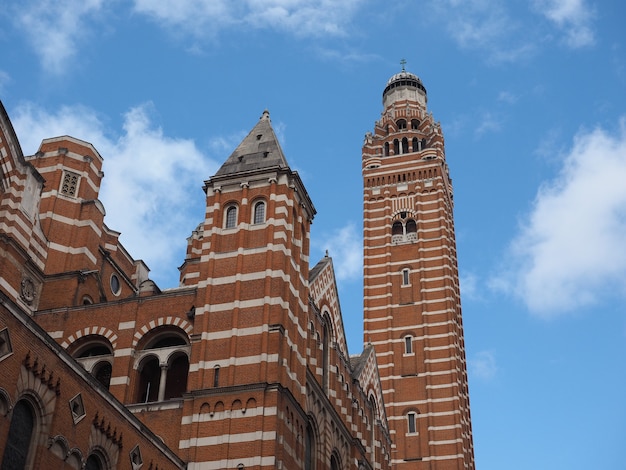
{"x": 115, "y": 284}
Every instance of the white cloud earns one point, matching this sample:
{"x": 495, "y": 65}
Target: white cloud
{"x": 570, "y": 251}
{"x": 483, "y": 365}
{"x": 345, "y": 246}
{"x": 468, "y": 283}
{"x": 573, "y": 17}
{"x": 485, "y": 25}
{"x": 152, "y": 185}
{"x": 488, "y": 122}
{"x": 54, "y": 27}
{"x": 298, "y": 17}
{"x": 5, "y": 78}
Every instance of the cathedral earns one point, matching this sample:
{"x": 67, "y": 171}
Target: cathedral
{"x": 245, "y": 364}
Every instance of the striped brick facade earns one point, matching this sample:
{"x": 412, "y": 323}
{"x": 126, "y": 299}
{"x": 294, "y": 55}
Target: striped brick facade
{"x": 412, "y": 308}
{"x": 243, "y": 365}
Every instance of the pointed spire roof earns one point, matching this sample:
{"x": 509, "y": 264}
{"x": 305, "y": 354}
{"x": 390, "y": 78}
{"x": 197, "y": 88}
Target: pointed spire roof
{"x": 259, "y": 150}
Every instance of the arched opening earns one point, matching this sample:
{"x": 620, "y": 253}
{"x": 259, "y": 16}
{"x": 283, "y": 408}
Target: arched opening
{"x": 405, "y": 145}
{"x": 309, "y": 448}
{"x": 20, "y": 437}
{"x": 94, "y": 462}
{"x": 163, "y": 365}
{"x": 334, "y": 462}
{"x": 149, "y": 377}
{"x": 102, "y": 372}
{"x": 176, "y": 381}
{"x": 95, "y": 354}
{"x": 415, "y": 144}
{"x": 401, "y": 123}
{"x": 396, "y": 147}
{"x": 386, "y": 149}
{"x": 415, "y": 124}
{"x": 411, "y": 226}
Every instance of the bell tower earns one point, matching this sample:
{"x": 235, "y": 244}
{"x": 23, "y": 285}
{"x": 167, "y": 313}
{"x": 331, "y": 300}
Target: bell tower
{"x": 412, "y": 307}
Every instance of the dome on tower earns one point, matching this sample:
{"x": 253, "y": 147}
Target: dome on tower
{"x": 404, "y": 78}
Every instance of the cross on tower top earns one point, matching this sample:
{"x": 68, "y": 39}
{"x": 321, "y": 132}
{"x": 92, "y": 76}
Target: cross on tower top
{"x": 403, "y": 63}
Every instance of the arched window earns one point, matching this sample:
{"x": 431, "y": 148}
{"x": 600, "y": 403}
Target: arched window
{"x": 259, "y": 213}
{"x": 397, "y": 228}
{"x": 231, "y": 217}
{"x": 423, "y": 146}
{"x": 415, "y": 124}
{"x": 416, "y": 145}
{"x": 396, "y": 147}
{"x": 149, "y": 377}
{"x": 401, "y": 123}
{"x": 94, "y": 462}
{"x": 20, "y": 437}
{"x": 405, "y": 145}
{"x": 102, "y": 372}
{"x": 334, "y": 462}
{"x": 386, "y": 149}
{"x": 176, "y": 379}
{"x": 95, "y": 354}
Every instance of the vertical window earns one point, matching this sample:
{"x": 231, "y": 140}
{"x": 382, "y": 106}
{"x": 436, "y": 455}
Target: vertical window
{"x": 216, "y": 376}
{"x": 386, "y": 149}
{"x": 412, "y": 422}
{"x": 325, "y": 353}
{"x": 396, "y": 147}
{"x": 20, "y": 437}
{"x": 309, "y": 449}
{"x": 408, "y": 344}
{"x": 415, "y": 144}
{"x": 231, "y": 217}
{"x": 405, "y": 277}
{"x": 259, "y": 213}
{"x": 405, "y": 145}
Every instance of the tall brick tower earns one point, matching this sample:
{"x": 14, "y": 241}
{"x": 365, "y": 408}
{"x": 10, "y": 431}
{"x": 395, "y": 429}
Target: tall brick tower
{"x": 412, "y": 308}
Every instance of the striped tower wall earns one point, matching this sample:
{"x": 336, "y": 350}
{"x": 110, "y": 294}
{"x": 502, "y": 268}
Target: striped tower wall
{"x": 411, "y": 292}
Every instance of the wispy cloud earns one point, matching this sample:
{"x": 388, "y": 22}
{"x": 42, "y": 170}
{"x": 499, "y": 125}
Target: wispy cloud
{"x": 569, "y": 252}
{"x": 55, "y": 27}
{"x": 297, "y": 17}
{"x": 152, "y": 188}
{"x": 345, "y": 246}
{"x": 485, "y": 25}
{"x": 483, "y": 365}
{"x": 572, "y": 17}
{"x": 5, "y": 79}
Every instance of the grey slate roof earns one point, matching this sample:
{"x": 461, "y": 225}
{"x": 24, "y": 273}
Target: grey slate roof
{"x": 259, "y": 150}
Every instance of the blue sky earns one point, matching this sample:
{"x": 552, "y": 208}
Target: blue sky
{"x": 531, "y": 96}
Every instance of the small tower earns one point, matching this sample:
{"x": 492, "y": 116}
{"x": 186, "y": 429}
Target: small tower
{"x": 412, "y": 303}
{"x": 249, "y": 261}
